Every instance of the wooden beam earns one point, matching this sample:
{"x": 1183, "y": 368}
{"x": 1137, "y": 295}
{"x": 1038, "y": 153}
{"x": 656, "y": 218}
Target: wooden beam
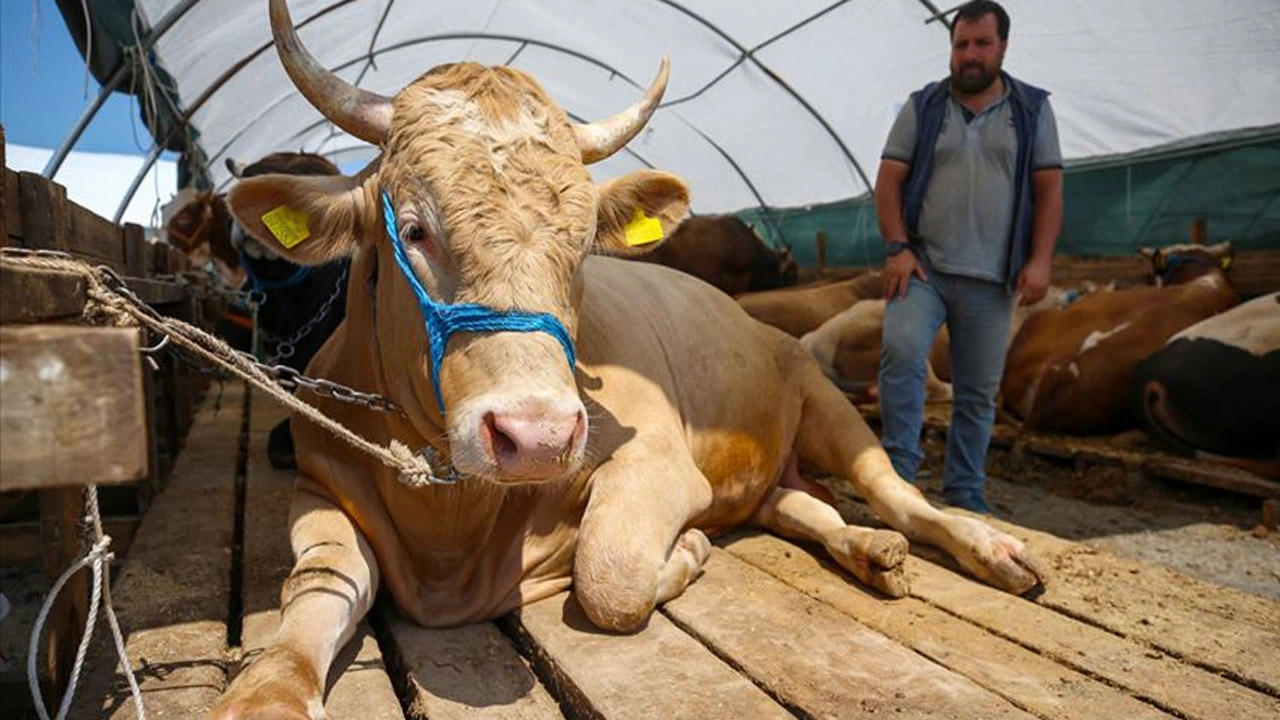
{"x": 94, "y": 238}
{"x": 20, "y": 542}
{"x": 136, "y": 248}
{"x": 45, "y": 222}
{"x": 62, "y": 544}
{"x": 29, "y": 295}
{"x": 71, "y": 407}
{"x": 173, "y": 591}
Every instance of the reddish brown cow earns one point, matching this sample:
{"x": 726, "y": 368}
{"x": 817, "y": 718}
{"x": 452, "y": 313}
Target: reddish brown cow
{"x": 1071, "y": 370}
{"x": 725, "y": 252}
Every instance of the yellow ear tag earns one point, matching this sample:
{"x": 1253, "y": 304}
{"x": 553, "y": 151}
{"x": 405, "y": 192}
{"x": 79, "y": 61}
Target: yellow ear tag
{"x": 288, "y": 225}
{"x": 643, "y": 229}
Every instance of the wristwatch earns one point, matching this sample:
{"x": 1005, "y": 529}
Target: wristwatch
{"x": 893, "y": 248}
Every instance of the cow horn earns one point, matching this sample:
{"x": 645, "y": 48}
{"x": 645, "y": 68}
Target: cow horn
{"x": 364, "y": 114}
{"x": 600, "y": 139}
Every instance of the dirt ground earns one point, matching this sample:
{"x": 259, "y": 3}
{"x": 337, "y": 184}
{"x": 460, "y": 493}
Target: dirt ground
{"x": 1201, "y": 532}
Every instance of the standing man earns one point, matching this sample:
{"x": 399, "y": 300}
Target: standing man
{"x": 969, "y": 198}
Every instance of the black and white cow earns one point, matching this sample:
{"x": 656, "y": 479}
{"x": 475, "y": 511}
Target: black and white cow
{"x": 1213, "y": 390}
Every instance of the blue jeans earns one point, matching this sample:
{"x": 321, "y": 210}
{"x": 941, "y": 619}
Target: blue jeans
{"x": 977, "y": 313}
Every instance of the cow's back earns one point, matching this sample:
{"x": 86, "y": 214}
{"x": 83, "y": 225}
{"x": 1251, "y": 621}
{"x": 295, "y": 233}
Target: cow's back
{"x": 800, "y": 310}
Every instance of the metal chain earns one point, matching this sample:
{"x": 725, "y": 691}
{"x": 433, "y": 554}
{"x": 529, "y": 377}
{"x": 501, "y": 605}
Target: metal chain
{"x": 286, "y": 377}
{"x": 286, "y": 348}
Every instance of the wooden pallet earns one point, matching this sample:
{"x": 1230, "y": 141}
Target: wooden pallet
{"x": 1135, "y": 453}
{"x": 771, "y": 629}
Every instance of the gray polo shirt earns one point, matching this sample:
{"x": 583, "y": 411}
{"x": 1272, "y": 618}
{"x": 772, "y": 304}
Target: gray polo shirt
{"x": 968, "y": 207}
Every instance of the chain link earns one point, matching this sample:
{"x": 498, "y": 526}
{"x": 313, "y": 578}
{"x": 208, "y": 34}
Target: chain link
{"x": 285, "y": 376}
{"x": 286, "y": 348}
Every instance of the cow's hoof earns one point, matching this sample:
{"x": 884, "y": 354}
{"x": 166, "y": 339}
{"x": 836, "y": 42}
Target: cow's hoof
{"x": 278, "y": 685}
{"x": 280, "y": 447}
{"x": 997, "y": 558}
{"x": 875, "y": 557}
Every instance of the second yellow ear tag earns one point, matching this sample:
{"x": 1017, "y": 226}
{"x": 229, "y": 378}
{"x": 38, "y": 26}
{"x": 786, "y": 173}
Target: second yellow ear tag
{"x": 643, "y": 229}
{"x": 288, "y": 225}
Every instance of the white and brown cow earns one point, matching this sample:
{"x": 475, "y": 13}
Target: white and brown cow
{"x": 1071, "y": 370}
{"x": 1213, "y": 390}
{"x": 605, "y": 475}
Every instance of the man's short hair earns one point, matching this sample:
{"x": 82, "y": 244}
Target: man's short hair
{"x": 974, "y": 10}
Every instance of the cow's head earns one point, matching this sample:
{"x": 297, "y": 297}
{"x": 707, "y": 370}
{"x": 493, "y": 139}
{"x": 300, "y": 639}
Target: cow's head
{"x": 1176, "y": 264}
{"x": 493, "y": 206}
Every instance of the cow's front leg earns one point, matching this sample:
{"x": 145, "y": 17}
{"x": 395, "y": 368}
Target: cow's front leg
{"x": 331, "y": 587}
{"x": 629, "y": 558}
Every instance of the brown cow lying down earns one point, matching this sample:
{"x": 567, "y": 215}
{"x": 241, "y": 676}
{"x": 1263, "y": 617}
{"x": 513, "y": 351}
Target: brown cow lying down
{"x": 726, "y": 252}
{"x": 1213, "y": 390}
{"x": 800, "y": 310}
{"x": 604, "y": 475}
{"x": 1071, "y": 370}
{"x": 847, "y": 347}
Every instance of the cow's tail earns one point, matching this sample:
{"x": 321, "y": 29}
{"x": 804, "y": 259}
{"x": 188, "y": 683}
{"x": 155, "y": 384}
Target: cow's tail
{"x": 1154, "y": 411}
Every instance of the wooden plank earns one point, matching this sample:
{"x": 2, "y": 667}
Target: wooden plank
{"x": 20, "y": 542}
{"x": 6, "y": 201}
{"x": 136, "y": 250}
{"x": 1142, "y": 670}
{"x": 12, "y": 201}
{"x": 658, "y": 672}
{"x": 63, "y": 544}
{"x": 1028, "y": 680}
{"x": 815, "y": 659}
{"x": 173, "y": 592}
{"x": 359, "y": 688}
{"x": 471, "y": 672}
{"x": 1212, "y": 475}
{"x": 1230, "y": 632}
{"x": 28, "y": 295}
{"x": 95, "y": 238}
{"x": 45, "y": 222}
{"x": 71, "y": 406}
{"x": 157, "y": 292}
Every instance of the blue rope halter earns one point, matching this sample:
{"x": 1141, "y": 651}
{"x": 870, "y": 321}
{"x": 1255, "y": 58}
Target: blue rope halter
{"x": 443, "y": 319}
{"x": 257, "y": 285}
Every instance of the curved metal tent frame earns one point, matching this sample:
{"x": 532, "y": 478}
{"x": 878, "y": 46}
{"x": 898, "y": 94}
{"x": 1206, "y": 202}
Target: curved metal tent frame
{"x": 744, "y": 55}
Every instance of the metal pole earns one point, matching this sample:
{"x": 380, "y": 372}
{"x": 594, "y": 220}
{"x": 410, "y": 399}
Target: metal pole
{"x": 113, "y": 83}
{"x": 152, "y": 156}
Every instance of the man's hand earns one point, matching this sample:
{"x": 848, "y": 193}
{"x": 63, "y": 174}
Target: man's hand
{"x": 1033, "y": 281}
{"x": 897, "y": 273}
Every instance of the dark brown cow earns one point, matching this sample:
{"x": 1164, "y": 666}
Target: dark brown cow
{"x": 725, "y": 252}
{"x": 1071, "y": 370}
{"x": 1213, "y": 390}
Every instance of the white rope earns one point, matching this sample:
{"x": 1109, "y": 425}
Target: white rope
{"x": 97, "y": 556}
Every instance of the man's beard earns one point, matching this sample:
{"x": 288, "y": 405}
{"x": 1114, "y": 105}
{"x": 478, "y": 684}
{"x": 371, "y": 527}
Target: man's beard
{"x": 970, "y": 82}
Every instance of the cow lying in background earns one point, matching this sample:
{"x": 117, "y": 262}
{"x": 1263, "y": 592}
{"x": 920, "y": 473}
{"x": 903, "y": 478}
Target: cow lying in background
{"x": 1213, "y": 390}
{"x": 725, "y": 252}
{"x": 482, "y": 205}
{"x": 198, "y": 223}
{"x": 1071, "y": 370}
{"x": 847, "y": 347}
{"x": 298, "y": 306}
{"x": 803, "y": 309}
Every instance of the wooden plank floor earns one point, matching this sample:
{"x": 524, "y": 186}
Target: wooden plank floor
{"x": 772, "y": 629}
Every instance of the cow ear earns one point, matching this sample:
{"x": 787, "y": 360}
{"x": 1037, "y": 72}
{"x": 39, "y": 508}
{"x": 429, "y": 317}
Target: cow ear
{"x": 308, "y": 219}
{"x": 636, "y": 211}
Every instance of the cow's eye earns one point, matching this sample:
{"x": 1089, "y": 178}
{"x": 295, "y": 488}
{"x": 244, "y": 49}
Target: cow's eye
{"x": 413, "y": 232}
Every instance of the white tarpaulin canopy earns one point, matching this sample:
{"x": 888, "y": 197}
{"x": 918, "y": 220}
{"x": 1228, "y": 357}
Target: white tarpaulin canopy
{"x": 777, "y": 103}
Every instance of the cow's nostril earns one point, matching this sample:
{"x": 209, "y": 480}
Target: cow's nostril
{"x": 501, "y": 444}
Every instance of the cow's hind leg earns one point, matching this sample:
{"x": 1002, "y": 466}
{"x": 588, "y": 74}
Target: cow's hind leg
{"x": 873, "y": 556}
{"x": 632, "y": 553}
{"x": 833, "y": 437}
{"x": 332, "y": 586}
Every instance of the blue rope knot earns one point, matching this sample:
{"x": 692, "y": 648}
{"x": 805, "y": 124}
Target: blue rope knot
{"x": 443, "y": 319}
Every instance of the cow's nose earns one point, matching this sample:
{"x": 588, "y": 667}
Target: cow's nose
{"x": 534, "y": 445}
